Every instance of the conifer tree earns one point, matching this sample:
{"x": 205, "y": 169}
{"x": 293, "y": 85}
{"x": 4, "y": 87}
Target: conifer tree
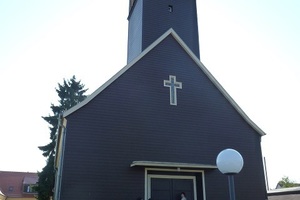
{"x": 70, "y": 93}
{"x": 285, "y": 182}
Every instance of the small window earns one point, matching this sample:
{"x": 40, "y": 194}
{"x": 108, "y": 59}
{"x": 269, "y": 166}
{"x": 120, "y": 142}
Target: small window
{"x": 28, "y": 188}
{"x": 170, "y": 8}
{"x": 10, "y": 188}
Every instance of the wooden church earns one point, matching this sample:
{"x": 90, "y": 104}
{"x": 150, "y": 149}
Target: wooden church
{"x": 155, "y": 128}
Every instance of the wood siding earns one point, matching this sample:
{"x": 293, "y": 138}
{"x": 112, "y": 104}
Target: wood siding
{"x": 149, "y": 19}
{"x": 132, "y": 119}
{"x": 183, "y": 19}
{"x": 135, "y": 31}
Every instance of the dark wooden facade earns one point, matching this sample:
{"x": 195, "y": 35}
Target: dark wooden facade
{"x": 149, "y": 19}
{"x": 127, "y": 140}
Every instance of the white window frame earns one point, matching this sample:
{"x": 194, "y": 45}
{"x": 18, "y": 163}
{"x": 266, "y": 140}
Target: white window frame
{"x": 173, "y": 176}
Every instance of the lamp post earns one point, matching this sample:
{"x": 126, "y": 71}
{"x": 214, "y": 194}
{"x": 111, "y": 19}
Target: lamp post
{"x": 230, "y": 162}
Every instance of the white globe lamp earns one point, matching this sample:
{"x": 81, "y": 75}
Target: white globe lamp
{"x": 230, "y": 162}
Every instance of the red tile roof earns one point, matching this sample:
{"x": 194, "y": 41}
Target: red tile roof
{"x": 11, "y": 183}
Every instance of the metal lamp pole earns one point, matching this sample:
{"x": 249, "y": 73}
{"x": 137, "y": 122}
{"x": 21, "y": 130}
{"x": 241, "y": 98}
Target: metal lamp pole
{"x": 231, "y": 187}
{"x": 230, "y": 162}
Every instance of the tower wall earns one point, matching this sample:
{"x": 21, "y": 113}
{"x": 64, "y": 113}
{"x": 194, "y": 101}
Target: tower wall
{"x": 149, "y": 19}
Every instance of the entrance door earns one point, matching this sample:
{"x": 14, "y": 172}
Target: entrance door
{"x": 170, "y": 187}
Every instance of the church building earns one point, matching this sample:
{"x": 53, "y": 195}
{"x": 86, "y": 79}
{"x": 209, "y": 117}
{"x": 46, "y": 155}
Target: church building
{"x": 155, "y": 129}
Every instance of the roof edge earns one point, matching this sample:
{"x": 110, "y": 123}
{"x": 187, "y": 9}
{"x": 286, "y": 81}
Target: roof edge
{"x": 217, "y": 84}
{"x": 196, "y": 60}
{"x": 117, "y": 75}
{"x": 284, "y": 190}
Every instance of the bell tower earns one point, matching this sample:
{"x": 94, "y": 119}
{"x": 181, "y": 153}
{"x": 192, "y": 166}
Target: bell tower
{"x": 149, "y": 19}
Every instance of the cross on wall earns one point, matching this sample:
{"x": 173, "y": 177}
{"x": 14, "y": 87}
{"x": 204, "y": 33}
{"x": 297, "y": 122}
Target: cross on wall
{"x": 173, "y": 85}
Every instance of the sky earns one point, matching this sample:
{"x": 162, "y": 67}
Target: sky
{"x": 251, "y": 47}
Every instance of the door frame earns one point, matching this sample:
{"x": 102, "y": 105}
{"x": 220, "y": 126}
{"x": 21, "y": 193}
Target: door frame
{"x": 173, "y": 176}
{"x": 150, "y": 176}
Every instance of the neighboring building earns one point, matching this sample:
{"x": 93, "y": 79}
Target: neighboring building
{"x": 292, "y": 193}
{"x": 154, "y": 129}
{"x": 17, "y": 185}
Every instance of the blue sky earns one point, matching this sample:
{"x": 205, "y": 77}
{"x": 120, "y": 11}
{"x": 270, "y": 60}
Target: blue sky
{"x": 251, "y": 47}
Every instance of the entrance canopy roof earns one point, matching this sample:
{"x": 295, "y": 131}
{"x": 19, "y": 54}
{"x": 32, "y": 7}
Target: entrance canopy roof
{"x": 172, "y": 164}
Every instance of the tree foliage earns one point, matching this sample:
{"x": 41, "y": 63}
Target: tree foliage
{"x": 70, "y": 93}
{"x": 285, "y": 182}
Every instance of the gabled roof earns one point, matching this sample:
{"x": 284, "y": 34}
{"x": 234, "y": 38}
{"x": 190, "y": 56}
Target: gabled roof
{"x": 195, "y": 59}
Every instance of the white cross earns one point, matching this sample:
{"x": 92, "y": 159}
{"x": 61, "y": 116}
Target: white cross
{"x": 173, "y": 85}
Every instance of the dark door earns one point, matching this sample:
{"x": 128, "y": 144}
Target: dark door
{"x": 170, "y": 189}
